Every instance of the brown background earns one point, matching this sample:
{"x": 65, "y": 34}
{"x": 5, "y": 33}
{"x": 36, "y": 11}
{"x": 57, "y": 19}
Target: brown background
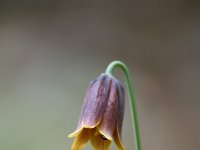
{"x": 50, "y": 50}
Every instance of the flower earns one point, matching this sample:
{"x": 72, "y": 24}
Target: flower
{"x": 102, "y": 115}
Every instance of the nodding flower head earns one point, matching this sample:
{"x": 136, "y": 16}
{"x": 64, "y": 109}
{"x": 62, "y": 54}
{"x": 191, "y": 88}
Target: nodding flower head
{"x": 102, "y": 115}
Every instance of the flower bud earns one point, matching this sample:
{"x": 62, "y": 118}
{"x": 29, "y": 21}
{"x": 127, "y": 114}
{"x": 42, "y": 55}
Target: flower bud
{"x": 102, "y": 114}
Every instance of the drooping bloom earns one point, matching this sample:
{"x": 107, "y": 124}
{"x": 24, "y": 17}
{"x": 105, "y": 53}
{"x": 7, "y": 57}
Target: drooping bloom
{"x": 102, "y": 115}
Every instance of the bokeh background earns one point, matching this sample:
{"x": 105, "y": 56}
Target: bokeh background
{"x": 50, "y": 50}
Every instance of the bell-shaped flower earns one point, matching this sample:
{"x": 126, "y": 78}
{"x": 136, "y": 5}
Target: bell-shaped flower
{"x": 102, "y": 115}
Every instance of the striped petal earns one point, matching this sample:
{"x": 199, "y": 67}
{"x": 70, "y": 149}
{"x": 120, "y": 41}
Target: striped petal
{"x": 118, "y": 131}
{"x": 94, "y": 104}
{"x": 96, "y": 101}
{"x": 109, "y": 120}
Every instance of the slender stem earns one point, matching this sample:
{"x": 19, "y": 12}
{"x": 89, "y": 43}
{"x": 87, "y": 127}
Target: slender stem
{"x": 134, "y": 115}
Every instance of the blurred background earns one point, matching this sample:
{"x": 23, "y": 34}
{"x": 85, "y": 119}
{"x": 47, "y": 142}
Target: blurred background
{"x": 50, "y": 50}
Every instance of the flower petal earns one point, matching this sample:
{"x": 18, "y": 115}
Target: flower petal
{"x": 76, "y": 132}
{"x": 96, "y": 101}
{"x": 109, "y": 119}
{"x": 80, "y": 125}
{"x": 121, "y": 107}
{"x": 98, "y": 141}
{"x": 81, "y": 140}
{"x": 118, "y": 141}
{"x": 85, "y": 105}
{"x": 118, "y": 131}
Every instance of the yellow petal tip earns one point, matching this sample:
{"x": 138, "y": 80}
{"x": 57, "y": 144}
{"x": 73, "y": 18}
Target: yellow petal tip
{"x": 71, "y": 135}
{"x": 75, "y": 133}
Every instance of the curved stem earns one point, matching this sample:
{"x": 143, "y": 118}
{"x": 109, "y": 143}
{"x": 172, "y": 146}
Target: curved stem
{"x": 134, "y": 115}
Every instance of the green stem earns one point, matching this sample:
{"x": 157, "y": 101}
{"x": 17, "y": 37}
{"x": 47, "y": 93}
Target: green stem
{"x": 134, "y": 115}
